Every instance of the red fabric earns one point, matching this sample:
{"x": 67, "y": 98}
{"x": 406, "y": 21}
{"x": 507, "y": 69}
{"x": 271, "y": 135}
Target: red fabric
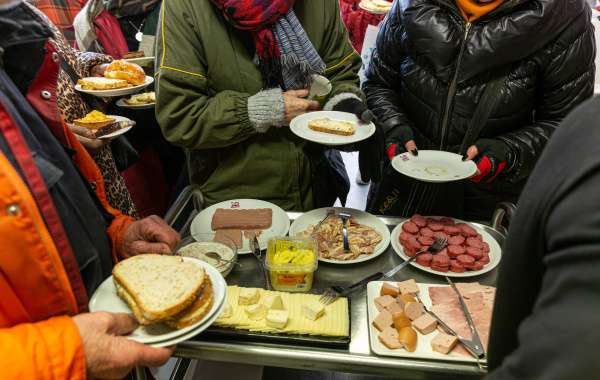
{"x": 46, "y": 80}
{"x": 61, "y": 13}
{"x": 110, "y": 35}
{"x": 485, "y": 167}
{"x": 148, "y": 173}
{"x": 256, "y": 16}
{"x": 391, "y": 151}
{"x": 356, "y": 21}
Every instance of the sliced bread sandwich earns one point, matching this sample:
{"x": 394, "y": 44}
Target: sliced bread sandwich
{"x": 335, "y": 127}
{"x": 158, "y": 287}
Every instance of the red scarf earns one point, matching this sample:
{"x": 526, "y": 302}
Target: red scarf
{"x": 257, "y": 17}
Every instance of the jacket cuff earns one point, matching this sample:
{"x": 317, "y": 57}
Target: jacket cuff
{"x": 116, "y": 232}
{"x": 334, "y": 101}
{"x": 266, "y": 109}
{"x": 87, "y": 60}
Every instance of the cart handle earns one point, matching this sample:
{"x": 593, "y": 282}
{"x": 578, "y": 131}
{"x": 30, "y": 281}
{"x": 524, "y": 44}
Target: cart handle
{"x": 502, "y": 216}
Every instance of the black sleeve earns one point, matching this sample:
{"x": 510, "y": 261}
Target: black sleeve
{"x": 383, "y": 79}
{"x": 559, "y": 340}
{"x": 566, "y": 81}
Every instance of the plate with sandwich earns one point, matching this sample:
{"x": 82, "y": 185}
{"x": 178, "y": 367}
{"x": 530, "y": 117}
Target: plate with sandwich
{"x": 120, "y": 78}
{"x": 173, "y": 298}
{"x": 144, "y": 100}
{"x": 96, "y": 125}
{"x": 379, "y": 7}
{"x": 331, "y": 128}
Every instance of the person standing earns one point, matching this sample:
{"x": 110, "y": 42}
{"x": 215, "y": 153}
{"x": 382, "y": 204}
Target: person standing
{"x": 427, "y": 84}
{"x": 233, "y": 74}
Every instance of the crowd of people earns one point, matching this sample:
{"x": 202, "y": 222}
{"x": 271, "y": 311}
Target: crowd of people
{"x": 491, "y": 80}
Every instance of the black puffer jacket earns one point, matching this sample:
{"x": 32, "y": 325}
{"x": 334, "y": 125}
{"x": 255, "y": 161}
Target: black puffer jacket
{"x": 430, "y": 68}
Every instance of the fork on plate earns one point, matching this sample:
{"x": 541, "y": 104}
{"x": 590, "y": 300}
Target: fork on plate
{"x": 333, "y": 293}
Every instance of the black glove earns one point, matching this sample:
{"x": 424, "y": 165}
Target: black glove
{"x": 492, "y": 159}
{"x": 370, "y": 151}
{"x": 397, "y": 138}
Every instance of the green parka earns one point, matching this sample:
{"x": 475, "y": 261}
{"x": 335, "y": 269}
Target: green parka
{"x": 205, "y": 74}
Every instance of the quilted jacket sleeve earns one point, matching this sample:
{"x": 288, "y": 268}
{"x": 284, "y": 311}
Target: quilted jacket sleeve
{"x": 50, "y": 349}
{"x": 382, "y": 77}
{"x": 566, "y": 81}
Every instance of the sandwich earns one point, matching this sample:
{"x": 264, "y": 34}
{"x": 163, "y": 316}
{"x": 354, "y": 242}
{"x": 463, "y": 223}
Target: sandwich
{"x": 164, "y": 289}
{"x": 94, "y": 120}
{"x": 130, "y": 72}
{"x": 143, "y": 98}
{"x": 334, "y": 127}
{"x": 96, "y": 124}
{"x": 99, "y": 83}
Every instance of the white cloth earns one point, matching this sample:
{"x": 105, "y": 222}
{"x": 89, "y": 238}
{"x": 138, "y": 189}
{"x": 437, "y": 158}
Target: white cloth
{"x": 85, "y": 34}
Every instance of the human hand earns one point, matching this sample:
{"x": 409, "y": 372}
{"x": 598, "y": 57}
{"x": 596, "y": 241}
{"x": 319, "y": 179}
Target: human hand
{"x": 295, "y": 105}
{"x": 401, "y": 140}
{"x": 98, "y": 70}
{"x": 491, "y": 157}
{"x": 108, "y": 354}
{"x": 149, "y": 235}
{"x": 357, "y": 107}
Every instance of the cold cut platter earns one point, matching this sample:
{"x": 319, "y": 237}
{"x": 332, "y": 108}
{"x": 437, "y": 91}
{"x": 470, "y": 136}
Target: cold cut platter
{"x": 471, "y": 251}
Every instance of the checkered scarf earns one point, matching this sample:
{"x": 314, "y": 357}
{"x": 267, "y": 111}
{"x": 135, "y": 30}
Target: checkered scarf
{"x": 286, "y": 57}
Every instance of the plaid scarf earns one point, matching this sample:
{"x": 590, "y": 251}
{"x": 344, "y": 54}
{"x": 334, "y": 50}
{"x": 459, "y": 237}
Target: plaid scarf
{"x": 282, "y": 46}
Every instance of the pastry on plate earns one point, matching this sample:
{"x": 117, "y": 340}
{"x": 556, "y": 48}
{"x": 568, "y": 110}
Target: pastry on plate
{"x": 99, "y": 83}
{"x": 94, "y": 120}
{"x": 334, "y": 127}
{"x": 141, "y": 99}
{"x": 130, "y": 72}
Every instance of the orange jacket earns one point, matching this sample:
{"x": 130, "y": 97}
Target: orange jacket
{"x": 38, "y": 339}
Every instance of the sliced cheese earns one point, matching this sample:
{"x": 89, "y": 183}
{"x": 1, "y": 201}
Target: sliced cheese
{"x": 273, "y": 302}
{"x": 227, "y": 311}
{"x": 256, "y": 312}
{"x": 277, "y": 318}
{"x": 248, "y": 296}
{"x": 313, "y": 310}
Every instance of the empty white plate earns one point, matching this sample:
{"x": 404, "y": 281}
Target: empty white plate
{"x": 434, "y": 166}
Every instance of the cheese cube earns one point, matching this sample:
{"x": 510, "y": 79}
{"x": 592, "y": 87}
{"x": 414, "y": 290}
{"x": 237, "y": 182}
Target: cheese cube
{"x": 383, "y": 302}
{"x": 408, "y": 287}
{"x": 443, "y": 343}
{"x": 313, "y": 310}
{"x": 248, "y": 296}
{"x": 383, "y": 320}
{"x": 227, "y": 311}
{"x": 425, "y": 324}
{"x": 256, "y": 312}
{"x": 273, "y": 302}
{"x": 277, "y": 318}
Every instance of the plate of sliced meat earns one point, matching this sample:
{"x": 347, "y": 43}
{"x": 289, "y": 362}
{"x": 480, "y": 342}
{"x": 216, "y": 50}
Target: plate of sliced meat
{"x": 471, "y": 251}
{"x": 368, "y": 237}
{"x": 400, "y": 326}
{"x": 239, "y": 220}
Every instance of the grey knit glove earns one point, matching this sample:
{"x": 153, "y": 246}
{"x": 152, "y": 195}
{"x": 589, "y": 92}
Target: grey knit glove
{"x": 266, "y": 109}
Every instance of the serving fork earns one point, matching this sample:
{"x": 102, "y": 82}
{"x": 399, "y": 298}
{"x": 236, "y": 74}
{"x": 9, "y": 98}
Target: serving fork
{"x": 333, "y": 293}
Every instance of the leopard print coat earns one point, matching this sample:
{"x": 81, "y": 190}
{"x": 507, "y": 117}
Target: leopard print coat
{"x": 72, "y": 106}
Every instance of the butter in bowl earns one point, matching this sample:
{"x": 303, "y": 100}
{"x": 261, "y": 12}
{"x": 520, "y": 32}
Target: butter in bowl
{"x": 291, "y": 263}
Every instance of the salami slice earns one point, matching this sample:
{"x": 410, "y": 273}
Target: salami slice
{"x": 405, "y": 236}
{"x": 456, "y": 250}
{"x": 465, "y": 260}
{"x": 485, "y": 259}
{"x": 447, "y": 221}
{"x": 467, "y": 230}
{"x": 419, "y": 220}
{"x": 474, "y": 266}
{"x": 443, "y": 252}
{"x": 474, "y": 242}
{"x": 456, "y": 267}
{"x": 436, "y": 226}
{"x": 456, "y": 240}
{"x": 440, "y": 269}
{"x": 440, "y": 261}
{"x": 475, "y": 253}
{"x": 485, "y": 248}
{"x": 410, "y": 227}
{"x": 425, "y": 240}
{"x": 440, "y": 235}
{"x": 425, "y": 259}
{"x": 412, "y": 247}
{"x": 452, "y": 230}
{"x": 427, "y": 232}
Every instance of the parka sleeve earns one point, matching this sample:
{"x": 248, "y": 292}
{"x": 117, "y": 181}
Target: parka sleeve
{"x": 566, "y": 81}
{"x": 342, "y": 62}
{"x": 189, "y": 113}
{"x": 46, "y": 350}
{"x": 383, "y": 80}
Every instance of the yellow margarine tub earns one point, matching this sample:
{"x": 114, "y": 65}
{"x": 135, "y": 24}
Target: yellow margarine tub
{"x": 291, "y": 263}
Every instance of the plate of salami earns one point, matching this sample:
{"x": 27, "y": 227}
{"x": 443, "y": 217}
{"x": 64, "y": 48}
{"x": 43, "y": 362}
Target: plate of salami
{"x": 471, "y": 251}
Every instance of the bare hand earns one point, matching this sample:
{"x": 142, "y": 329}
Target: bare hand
{"x": 109, "y": 355}
{"x": 411, "y": 147}
{"x": 295, "y": 105}
{"x": 98, "y": 70}
{"x": 149, "y": 235}
{"x": 472, "y": 152}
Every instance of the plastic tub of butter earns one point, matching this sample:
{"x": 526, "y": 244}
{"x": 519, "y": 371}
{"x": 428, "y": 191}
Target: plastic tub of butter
{"x": 291, "y": 263}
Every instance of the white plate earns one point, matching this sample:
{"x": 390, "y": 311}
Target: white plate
{"x": 373, "y": 11}
{"x": 313, "y": 217}
{"x": 434, "y": 166}
{"x": 423, "y": 350}
{"x": 495, "y": 253}
{"x": 121, "y": 103}
{"x": 105, "y": 298}
{"x": 299, "y": 127}
{"x": 142, "y": 61}
{"x": 117, "y": 91}
{"x": 119, "y": 131}
{"x": 280, "y": 226}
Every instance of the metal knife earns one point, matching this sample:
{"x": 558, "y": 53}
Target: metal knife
{"x": 255, "y": 248}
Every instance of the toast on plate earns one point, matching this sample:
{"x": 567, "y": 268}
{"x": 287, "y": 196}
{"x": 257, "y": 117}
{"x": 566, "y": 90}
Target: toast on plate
{"x": 102, "y": 84}
{"x": 334, "y": 127}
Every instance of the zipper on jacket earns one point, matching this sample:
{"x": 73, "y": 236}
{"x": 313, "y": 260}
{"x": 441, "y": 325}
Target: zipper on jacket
{"x": 452, "y": 88}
